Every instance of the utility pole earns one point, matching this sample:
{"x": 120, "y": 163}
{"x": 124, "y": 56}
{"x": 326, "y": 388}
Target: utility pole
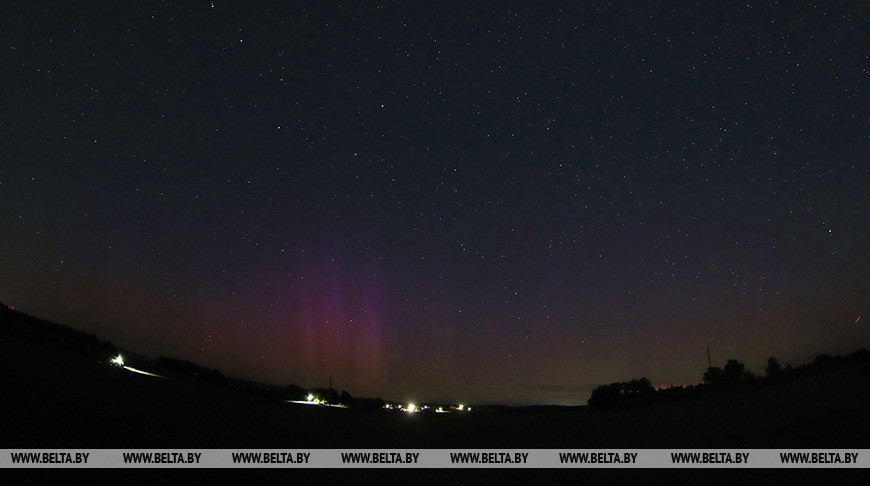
{"x": 709, "y": 361}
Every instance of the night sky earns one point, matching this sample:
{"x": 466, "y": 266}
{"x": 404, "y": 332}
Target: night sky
{"x": 482, "y": 202}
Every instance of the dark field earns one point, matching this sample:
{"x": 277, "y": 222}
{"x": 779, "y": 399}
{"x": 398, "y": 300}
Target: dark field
{"x": 53, "y": 399}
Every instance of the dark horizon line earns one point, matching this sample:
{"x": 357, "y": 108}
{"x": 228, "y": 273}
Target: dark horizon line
{"x": 4, "y": 308}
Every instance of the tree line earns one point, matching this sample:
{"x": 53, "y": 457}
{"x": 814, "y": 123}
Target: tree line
{"x": 733, "y": 376}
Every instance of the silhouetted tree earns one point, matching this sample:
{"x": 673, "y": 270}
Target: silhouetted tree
{"x": 714, "y": 376}
{"x": 732, "y": 377}
{"x": 635, "y": 392}
{"x": 773, "y": 370}
{"x": 734, "y": 371}
{"x": 328, "y": 395}
{"x": 638, "y": 388}
{"x": 606, "y": 396}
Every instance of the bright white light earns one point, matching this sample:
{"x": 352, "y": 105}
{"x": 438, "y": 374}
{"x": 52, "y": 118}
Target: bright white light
{"x": 118, "y": 360}
{"x": 312, "y": 400}
{"x": 411, "y": 408}
{"x": 134, "y": 370}
{"x": 461, "y": 407}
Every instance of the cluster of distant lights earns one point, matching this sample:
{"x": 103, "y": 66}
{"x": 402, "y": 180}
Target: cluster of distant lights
{"x": 313, "y": 400}
{"x": 411, "y": 408}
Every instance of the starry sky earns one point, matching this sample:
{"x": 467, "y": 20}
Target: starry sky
{"x": 482, "y": 202}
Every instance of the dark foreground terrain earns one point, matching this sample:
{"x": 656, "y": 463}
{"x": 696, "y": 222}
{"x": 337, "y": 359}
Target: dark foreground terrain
{"x": 55, "y": 399}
